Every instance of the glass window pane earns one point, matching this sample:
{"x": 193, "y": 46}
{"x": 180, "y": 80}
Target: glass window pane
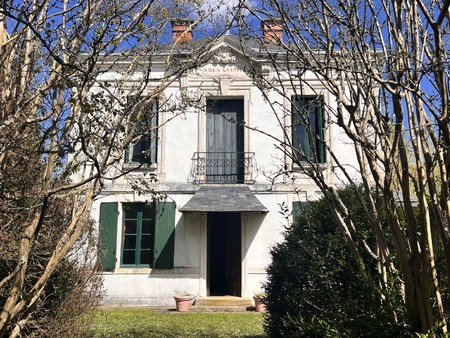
{"x": 312, "y": 120}
{"x": 147, "y": 227}
{"x": 146, "y": 257}
{"x": 300, "y": 138}
{"x": 130, "y": 227}
{"x": 129, "y": 242}
{"x": 131, "y": 209}
{"x": 149, "y": 211}
{"x": 128, "y": 257}
{"x": 140, "y": 150}
{"x": 146, "y": 241}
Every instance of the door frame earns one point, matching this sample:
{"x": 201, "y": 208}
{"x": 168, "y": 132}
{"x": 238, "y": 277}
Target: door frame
{"x": 238, "y": 259}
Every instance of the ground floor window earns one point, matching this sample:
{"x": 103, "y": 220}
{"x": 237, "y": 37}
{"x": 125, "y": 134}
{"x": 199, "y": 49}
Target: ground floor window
{"x": 138, "y": 233}
{"x": 146, "y": 237}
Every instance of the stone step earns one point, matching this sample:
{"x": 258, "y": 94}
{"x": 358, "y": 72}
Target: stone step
{"x": 223, "y": 301}
{"x": 199, "y": 308}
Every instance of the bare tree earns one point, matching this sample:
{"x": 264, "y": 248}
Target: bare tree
{"x": 385, "y": 64}
{"x": 60, "y": 113}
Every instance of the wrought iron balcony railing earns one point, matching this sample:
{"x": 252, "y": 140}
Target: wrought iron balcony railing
{"x": 222, "y": 168}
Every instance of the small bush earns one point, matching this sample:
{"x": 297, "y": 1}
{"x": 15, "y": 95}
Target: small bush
{"x": 316, "y": 289}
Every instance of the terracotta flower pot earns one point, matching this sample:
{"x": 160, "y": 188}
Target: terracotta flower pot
{"x": 259, "y": 305}
{"x": 182, "y": 302}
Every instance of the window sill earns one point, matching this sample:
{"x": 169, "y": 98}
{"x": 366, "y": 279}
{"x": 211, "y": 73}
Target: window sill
{"x": 307, "y": 166}
{"x": 129, "y": 270}
{"x": 133, "y": 270}
{"x": 140, "y": 166}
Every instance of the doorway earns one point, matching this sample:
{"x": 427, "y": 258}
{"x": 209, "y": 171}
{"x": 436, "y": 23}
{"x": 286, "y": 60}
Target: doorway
{"x": 224, "y": 254}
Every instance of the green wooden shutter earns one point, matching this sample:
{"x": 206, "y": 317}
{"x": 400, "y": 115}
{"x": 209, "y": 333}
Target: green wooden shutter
{"x": 126, "y": 156}
{"x": 154, "y": 133}
{"x": 321, "y": 127}
{"x": 108, "y": 235}
{"x": 164, "y": 235}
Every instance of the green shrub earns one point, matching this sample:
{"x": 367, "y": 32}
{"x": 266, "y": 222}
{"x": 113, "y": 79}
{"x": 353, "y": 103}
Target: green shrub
{"x": 316, "y": 289}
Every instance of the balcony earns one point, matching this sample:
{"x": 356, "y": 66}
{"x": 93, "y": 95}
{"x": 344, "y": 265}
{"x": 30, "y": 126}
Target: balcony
{"x": 222, "y": 168}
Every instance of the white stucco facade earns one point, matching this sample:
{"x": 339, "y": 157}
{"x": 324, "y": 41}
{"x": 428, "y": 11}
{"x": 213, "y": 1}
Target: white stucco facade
{"x": 178, "y": 140}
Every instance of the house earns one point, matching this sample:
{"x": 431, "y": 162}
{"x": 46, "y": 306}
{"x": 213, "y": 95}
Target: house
{"x": 222, "y": 177}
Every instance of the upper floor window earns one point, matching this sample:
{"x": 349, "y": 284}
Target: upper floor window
{"x": 308, "y": 125}
{"x": 145, "y": 148}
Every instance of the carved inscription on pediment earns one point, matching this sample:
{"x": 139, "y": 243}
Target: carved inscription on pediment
{"x": 223, "y": 64}
{"x": 221, "y": 69}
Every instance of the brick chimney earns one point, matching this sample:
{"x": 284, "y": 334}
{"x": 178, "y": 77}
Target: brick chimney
{"x": 272, "y": 30}
{"x": 181, "y": 30}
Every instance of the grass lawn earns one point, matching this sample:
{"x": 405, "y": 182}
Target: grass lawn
{"x": 150, "y": 323}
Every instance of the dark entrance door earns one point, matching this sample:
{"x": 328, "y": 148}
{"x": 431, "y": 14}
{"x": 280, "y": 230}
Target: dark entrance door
{"x": 224, "y": 254}
{"x": 225, "y": 141}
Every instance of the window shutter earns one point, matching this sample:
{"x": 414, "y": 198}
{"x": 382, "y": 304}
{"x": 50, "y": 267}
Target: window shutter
{"x": 127, "y": 155}
{"x": 322, "y": 148}
{"x": 153, "y": 144}
{"x": 108, "y": 235}
{"x": 164, "y": 235}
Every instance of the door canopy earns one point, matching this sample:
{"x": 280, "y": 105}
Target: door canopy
{"x": 224, "y": 199}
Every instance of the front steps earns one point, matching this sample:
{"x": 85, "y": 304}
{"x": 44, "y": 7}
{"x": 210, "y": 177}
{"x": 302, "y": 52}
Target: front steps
{"x": 222, "y": 303}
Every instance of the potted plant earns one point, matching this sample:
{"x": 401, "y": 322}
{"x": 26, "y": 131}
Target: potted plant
{"x": 258, "y": 298}
{"x": 183, "y": 301}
